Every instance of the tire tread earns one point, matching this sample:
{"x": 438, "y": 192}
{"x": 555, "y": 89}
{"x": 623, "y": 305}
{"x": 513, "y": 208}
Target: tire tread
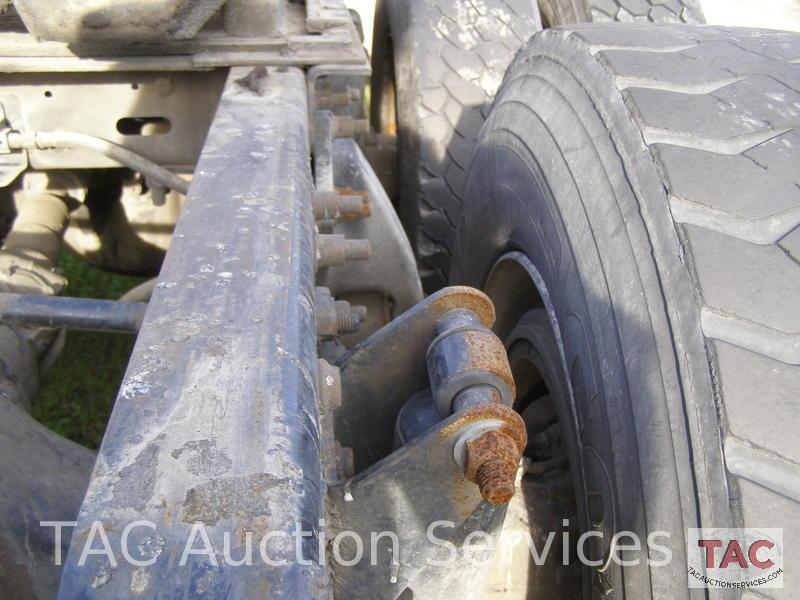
{"x": 462, "y": 50}
{"x": 741, "y": 113}
{"x": 645, "y": 11}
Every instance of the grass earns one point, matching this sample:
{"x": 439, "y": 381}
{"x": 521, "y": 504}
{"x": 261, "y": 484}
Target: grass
{"x": 76, "y": 398}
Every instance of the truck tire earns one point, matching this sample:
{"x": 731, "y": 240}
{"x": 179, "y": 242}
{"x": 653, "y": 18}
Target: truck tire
{"x": 436, "y": 67}
{"x": 568, "y": 12}
{"x": 640, "y": 183}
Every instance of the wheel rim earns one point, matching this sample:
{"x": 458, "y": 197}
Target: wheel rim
{"x": 551, "y": 485}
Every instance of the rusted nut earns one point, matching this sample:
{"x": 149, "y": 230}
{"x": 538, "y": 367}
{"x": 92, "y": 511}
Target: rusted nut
{"x": 325, "y": 313}
{"x": 336, "y": 317}
{"x": 334, "y": 250}
{"x": 491, "y": 461}
{"x": 493, "y": 437}
{"x": 349, "y": 317}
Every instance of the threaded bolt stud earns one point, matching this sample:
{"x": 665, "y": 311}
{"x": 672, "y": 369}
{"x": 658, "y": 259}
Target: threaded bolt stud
{"x": 496, "y": 482}
{"x": 349, "y": 317}
{"x": 357, "y": 249}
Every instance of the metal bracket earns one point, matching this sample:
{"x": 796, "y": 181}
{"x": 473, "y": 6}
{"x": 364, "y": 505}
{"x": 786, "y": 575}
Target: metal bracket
{"x": 338, "y": 88}
{"x": 405, "y": 493}
{"x": 365, "y": 421}
{"x": 431, "y": 478}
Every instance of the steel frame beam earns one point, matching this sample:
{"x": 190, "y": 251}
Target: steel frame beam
{"x": 216, "y": 420}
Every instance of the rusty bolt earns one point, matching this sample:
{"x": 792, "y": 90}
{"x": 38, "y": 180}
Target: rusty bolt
{"x": 344, "y": 127}
{"x": 334, "y": 250}
{"x": 336, "y": 317}
{"x": 348, "y": 316}
{"x": 489, "y": 449}
{"x": 333, "y": 206}
{"x": 357, "y": 249}
{"x": 491, "y": 461}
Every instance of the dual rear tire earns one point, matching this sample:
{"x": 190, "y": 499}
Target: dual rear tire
{"x": 637, "y": 185}
{"x": 436, "y": 66}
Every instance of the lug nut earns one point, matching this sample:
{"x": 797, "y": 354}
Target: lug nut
{"x": 334, "y": 250}
{"x": 491, "y": 462}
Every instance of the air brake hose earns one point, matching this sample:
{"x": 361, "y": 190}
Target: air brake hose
{"x": 68, "y": 139}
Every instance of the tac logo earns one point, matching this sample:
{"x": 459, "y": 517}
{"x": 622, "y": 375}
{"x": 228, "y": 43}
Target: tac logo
{"x": 735, "y": 558}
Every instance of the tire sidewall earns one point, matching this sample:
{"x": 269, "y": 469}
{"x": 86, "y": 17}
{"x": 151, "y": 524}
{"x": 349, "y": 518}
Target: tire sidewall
{"x": 527, "y": 192}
